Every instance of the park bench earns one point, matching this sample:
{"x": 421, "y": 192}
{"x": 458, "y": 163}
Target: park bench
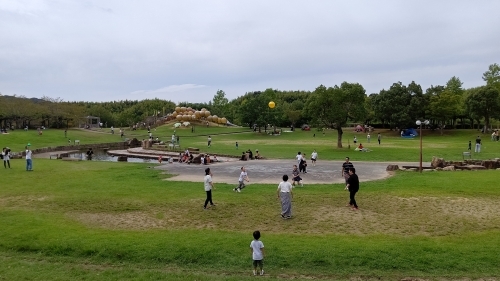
{"x": 174, "y": 147}
{"x": 77, "y": 142}
{"x": 466, "y": 154}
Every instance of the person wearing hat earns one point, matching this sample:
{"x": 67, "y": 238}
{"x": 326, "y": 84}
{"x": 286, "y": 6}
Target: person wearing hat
{"x": 29, "y": 163}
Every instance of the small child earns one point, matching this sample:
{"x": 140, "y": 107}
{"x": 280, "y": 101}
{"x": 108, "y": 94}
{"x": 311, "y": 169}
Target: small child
{"x": 257, "y": 249}
{"x": 236, "y": 145}
{"x": 470, "y": 145}
{"x": 296, "y": 177}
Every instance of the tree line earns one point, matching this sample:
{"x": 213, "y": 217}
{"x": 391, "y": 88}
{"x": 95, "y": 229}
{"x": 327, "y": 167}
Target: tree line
{"x": 399, "y": 106}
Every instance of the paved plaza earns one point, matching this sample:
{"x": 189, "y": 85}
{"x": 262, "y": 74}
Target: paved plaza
{"x": 271, "y": 171}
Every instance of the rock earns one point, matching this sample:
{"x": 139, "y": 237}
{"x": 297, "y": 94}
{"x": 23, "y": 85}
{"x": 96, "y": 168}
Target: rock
{"x": 439, "y": 169}
{"x": 437, "y": 162}
{"x": 122, "y": 158}
{"x": 392, "y": 168}
{"x": 449, "y": 168}
{"x": 402, "y": 169}
{"x": 134, "y": 143}
{"x": 428, "y": 170}
{"x": 489, "y": 164}
{"x": 412, "y": 169}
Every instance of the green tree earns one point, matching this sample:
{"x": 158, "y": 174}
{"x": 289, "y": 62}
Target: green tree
{"x": 492, "y": 76}
{"x": 443, "y": 106}
{"x": 220, "y": 104}
{"x": 484, "y": 102}
{"x": 332, "y": 107}
{"x": 393, "y": 105}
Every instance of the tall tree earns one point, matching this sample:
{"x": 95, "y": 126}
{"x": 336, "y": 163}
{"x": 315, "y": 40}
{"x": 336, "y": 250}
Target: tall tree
{"x": 492, "y": 76}
{"x": 332, "y": 107}
{"x": 393, "y": 105}
{"x": 484, "y": 102}
{"x": 220, "y": 104}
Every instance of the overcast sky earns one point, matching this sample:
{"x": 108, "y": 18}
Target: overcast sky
{"x": 105, "y": 50}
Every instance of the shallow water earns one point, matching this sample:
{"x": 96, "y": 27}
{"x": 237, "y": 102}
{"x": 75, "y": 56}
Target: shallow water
{"x": 101, "y": 155}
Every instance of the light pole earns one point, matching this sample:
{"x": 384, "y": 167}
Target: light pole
{"x": 419, "y": 123}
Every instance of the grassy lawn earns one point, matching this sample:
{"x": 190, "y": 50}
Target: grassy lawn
{"x": 393, "y": 148}
{"x": 122, "y": 221}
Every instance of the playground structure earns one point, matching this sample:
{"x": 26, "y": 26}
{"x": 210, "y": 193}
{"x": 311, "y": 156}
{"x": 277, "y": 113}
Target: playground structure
{"x": 188, "y": 114}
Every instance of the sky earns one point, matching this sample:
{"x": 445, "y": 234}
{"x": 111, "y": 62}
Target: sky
{"x": 106, "y": 50}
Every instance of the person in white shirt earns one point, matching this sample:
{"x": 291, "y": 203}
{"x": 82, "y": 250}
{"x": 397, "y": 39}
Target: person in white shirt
{"x": 257, "y": 249}
{"x": 209, "y": 185}
{"x": 314, "y": 156}
{"x": 209, "y": 140}
{"x": 298, "y": 158}
{"x": 285, "y": 194}
{"x": 29, "y": 163}
{"x": 241, "y": 181}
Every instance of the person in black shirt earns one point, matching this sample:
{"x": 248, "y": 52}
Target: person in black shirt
{"x": 345, "y": 168}
{"x": 353, "y": 187}
{"x": 89, "y": 154}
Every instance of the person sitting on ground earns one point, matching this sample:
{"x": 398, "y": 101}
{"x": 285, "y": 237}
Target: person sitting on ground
{"x": 207, "y": 159}
{"x": 257, "y": 154}
{"x": 243, "y": 156}
{"x": 250, "y": 154}
{"x": 360, "y": 146}
{"x": 214, "y": 159}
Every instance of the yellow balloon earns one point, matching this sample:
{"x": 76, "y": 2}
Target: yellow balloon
{"x": 272, "y": 104}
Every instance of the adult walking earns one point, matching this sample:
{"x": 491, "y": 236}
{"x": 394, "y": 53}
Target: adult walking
{"x": 478, "y": 144}
{"x": 241, "y": 180}
{"x": 353, "y": 187}
{"x": 29, "y": 163}
{"x": 209, "y": 141}
{"x": 285, "y": 194}
{"x": 209, "y": 185}
{"x": 379, "y": 137}
{"x": 346, "y": 166}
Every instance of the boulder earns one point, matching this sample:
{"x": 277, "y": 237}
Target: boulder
{"x": 449, "y": 168}
{"x": 392, "y": 168}
{"x": 439, "y": 169}
{"x": 489, "y": 164}
{"x": 134, "y": 143}
{"x": 437, "y": 162}
{"x": 122, "y": 158}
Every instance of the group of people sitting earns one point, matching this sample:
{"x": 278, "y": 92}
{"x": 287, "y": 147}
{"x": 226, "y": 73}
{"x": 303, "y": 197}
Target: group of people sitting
{"x": 186, "y": 157}
{"x": 248, "y": 155}
{"x": 361, "y": 148}
{"x": 207, "y": 159}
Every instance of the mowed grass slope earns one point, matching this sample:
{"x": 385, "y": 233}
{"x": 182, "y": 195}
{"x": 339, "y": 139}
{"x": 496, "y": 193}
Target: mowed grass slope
{"x": 121, "y": 221}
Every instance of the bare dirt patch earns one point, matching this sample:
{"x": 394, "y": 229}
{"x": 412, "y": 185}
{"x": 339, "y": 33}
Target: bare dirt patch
{"x": 428, "y": 216}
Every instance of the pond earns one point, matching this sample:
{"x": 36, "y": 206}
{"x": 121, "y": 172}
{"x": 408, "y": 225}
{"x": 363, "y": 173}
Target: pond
{"x": 102, "y": 155}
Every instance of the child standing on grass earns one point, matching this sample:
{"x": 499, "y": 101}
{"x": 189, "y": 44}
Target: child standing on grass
{"x": 257, "y": 249}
